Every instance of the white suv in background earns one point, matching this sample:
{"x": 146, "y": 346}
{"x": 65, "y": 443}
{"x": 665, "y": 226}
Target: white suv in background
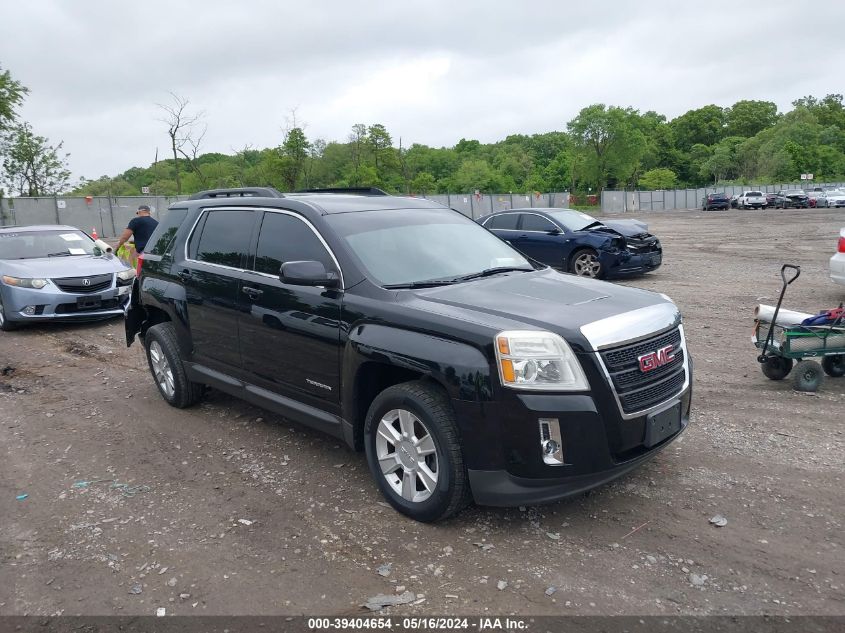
{"x": 837, "y": 262}
{"x": 752, "y": 200}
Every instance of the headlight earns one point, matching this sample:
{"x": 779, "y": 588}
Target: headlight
{"x": 23, "y": 282}
{"x": 126, "y": 274}
{"x": 538, "y": 360}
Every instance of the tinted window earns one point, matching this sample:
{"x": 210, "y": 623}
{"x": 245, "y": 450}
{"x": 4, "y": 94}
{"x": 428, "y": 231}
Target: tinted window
{"x": 505, "y": 221}
{"x": 531, "y": 222}
{"x": 754, "y": 193}
{"x": 162, "y": 237}
{"x": 284, "y": 238}
{"x": 224, "y": 239}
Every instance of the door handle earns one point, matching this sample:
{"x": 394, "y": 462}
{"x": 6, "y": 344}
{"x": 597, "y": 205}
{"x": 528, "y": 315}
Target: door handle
{"x": 252, "y": 293}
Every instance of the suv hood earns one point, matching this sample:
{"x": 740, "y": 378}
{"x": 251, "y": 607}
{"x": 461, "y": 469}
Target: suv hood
{"x": 544, "y": 299}
{"x": 71, "y": 266}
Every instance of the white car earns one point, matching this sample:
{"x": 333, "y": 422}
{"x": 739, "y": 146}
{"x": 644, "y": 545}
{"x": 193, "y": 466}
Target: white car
{"x": 835, "y": 198}
{"x": 752, "y": 200}
{"x": 837, "y": 262}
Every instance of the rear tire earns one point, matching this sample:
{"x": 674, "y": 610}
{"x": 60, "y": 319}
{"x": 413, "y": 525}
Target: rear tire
{"x": 776, "y": 367}
{"x": 5, "y": 324}
{"x": 165, "y": 362}
{"x": 808, "y": 376}
{"x": 414, "y": 452}
{"x": 834, "y": 366}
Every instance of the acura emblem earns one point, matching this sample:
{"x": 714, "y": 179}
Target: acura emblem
{"x": 653, "y": 360}
{"x": 86, "y": 282}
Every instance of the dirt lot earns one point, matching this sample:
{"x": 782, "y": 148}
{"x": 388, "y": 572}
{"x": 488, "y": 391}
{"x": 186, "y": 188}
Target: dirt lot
{"x": 231, "y": 510}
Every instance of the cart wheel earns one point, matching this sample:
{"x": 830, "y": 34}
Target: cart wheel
{"x": 808, "y": 376}
{"x": 834, "y": 365}
{"x": 776, "y": 367}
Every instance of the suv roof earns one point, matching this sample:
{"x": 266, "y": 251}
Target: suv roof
{"x": 325, "y": 201}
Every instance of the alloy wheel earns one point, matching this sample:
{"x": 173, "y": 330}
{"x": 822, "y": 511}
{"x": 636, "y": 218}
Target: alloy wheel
{"x": 162, "y": 370}
{"x": 407, "y": 455}
{"x": 587, "y": 265}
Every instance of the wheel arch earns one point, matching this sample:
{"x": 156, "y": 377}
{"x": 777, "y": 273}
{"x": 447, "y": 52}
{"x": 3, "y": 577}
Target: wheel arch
{"x": 377, "y": 357}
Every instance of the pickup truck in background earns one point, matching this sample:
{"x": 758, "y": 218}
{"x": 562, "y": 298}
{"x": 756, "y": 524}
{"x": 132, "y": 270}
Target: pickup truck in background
{"x": 752, "y": 200}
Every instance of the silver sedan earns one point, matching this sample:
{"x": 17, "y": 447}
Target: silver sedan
{"x": 52, "y": 273}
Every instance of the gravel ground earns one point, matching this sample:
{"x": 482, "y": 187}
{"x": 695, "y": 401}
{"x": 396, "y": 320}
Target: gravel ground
{"x": 227, "y": 509}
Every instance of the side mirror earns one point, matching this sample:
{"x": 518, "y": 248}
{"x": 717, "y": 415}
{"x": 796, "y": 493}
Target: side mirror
{"x": 307, "y": 273}
{"x": 554, "y": 232}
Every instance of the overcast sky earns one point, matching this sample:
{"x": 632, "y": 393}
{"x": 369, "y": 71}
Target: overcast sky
{"x": 432, "y": 72}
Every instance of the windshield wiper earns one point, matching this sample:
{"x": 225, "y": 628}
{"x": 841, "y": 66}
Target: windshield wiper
{"x": 421, "y": 284}
{"x": 493, "y": 271}
{"x": 59, "y": 254}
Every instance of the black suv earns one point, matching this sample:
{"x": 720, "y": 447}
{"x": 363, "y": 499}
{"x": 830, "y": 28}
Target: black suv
{"x": 463, "y": 370}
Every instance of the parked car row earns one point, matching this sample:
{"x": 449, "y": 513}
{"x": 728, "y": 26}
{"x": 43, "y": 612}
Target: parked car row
{"x": 785, "y": 199}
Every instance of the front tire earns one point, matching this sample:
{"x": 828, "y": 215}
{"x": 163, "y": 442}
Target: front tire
{"x": 5, "y": 324}
{"x": 585, "y": 263}
{"x": 414, "y": 452}
{"x": 807, "y": 376}
{"x": 165, "y": 362}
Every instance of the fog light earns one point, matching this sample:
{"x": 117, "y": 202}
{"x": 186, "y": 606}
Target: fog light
{"x": 551, "y": 443}
{"x": 29, "y": 310}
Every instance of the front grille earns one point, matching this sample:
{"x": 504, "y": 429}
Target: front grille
{"x": 72, "y": 308}
{"x": 96, "y": 283}
{"x": 638, "y": 390}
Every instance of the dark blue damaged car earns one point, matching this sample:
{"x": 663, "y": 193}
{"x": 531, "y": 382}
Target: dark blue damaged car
{"x": 578, "y": 243}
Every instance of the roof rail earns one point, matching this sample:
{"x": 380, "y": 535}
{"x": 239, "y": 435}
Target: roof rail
{"x": 242, "y": 192}
{"x": 358, "y": 191}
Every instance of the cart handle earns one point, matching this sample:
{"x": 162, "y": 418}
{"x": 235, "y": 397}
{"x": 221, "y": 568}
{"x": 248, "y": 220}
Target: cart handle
{"x": 783, "y": 268}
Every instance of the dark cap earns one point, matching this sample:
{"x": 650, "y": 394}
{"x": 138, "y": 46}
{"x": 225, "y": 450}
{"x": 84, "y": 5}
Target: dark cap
{"x": 144, "y": 207}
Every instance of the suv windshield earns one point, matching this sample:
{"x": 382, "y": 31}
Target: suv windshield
{"x": 33, "y": 244}
{"x": 574, "y": 220}
{"x": 756, "y": 194}
{"x": 407, "y": 246}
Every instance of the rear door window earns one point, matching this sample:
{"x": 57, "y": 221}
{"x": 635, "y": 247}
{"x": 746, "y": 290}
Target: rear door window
{"x": 224, "y": 237}
{"x": 285, "y": 238}
{"x": 531, "y": 222}
{"x": 503, "y": 221}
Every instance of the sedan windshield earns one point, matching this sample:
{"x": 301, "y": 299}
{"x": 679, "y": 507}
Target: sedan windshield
{"x": 416, "y": 246}
{"x": 25, "y": 244}
{"x": 574, "y": 220}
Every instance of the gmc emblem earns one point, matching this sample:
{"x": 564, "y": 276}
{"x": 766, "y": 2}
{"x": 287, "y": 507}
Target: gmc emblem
{"x": 653, "y": 360}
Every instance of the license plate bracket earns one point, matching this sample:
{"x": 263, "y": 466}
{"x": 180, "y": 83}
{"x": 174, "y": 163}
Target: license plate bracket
{"x": 89, "y": 303}
{"x": 662, "y": 424}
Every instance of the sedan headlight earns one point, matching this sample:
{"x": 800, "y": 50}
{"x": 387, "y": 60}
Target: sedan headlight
{"x": 126, "y": 274}
{"x": 24, "y": 282}
{"x": 538, "y": 360}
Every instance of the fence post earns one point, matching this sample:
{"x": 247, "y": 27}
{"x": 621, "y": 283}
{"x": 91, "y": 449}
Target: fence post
{"x": 111, "y": 215}
{"x": 491, "y": 202}
{"x": 448, "y": 200}
{"x": 56, "y": 205}
{"x": 471, "y": 206}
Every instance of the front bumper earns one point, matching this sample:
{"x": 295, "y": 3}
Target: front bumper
{"x": 598, "y": 445}
{"x": 52, "y": 304}
{"x": 837, "y": 268}
{"x": 629, "y": 263}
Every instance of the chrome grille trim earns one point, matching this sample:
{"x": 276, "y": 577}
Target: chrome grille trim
{"x": 662, "y": 403}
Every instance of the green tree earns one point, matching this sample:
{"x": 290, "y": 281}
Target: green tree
{"x": 747, "y": 118}
{"x": 31, "y": 166}
{"x": 294, "y": 152}
{"x": 12, "y": 94}
{"x": 659, "y": 178}
{"x": 608, "y": 142}
{"x": 423, "y": 183}
{"x": 704, "y": 126}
